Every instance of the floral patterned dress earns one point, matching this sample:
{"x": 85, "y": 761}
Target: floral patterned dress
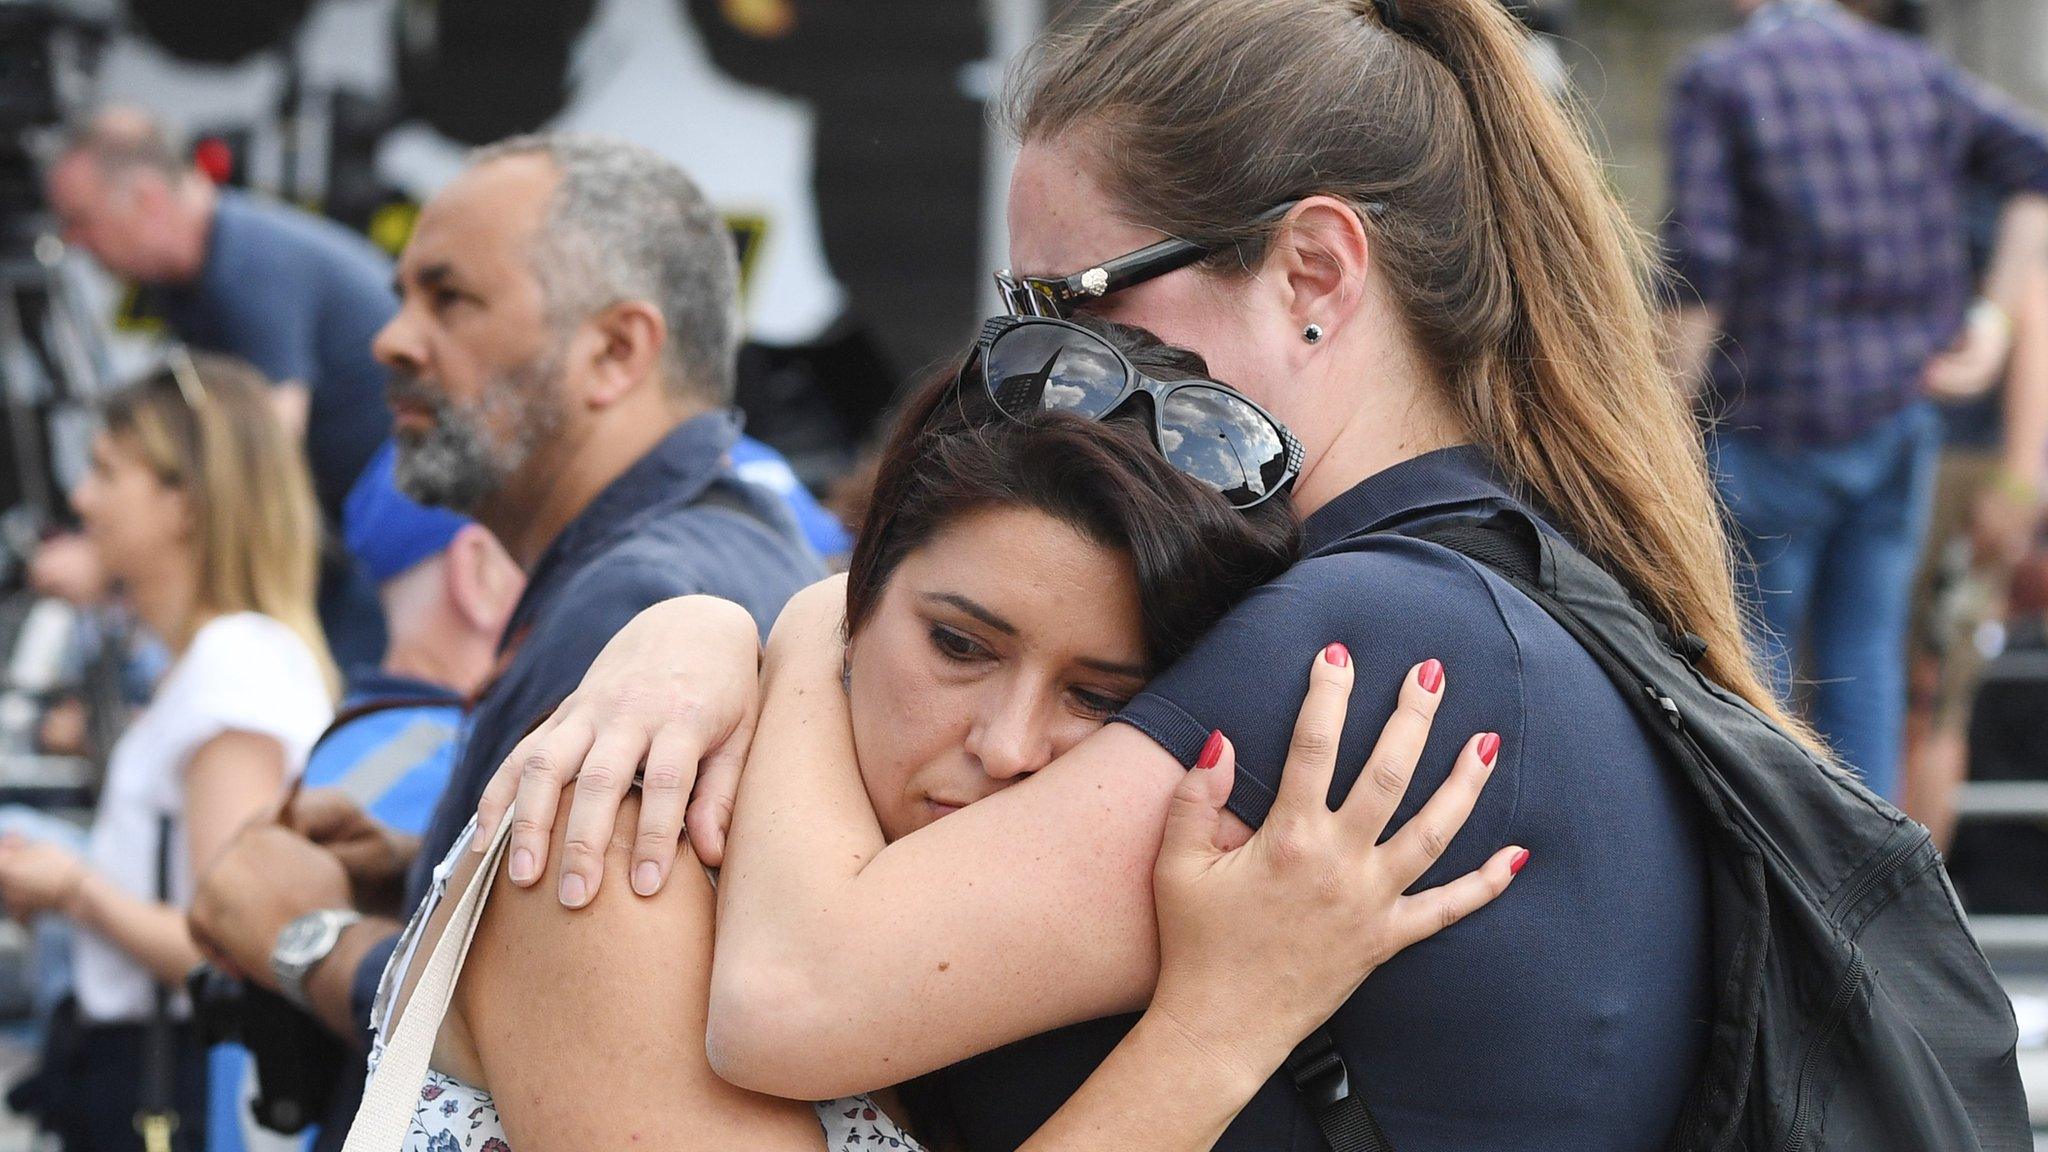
{"x": 452, "y": 1116}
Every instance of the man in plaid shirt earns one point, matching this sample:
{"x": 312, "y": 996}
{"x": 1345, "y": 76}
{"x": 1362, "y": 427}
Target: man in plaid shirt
{"x": 1818, "y": 172}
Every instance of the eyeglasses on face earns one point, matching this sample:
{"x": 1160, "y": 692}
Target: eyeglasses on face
{"x": 1058, "y": 296}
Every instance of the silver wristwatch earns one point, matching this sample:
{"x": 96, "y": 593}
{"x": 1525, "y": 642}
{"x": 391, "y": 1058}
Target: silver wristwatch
{"x": 301, "y": 947}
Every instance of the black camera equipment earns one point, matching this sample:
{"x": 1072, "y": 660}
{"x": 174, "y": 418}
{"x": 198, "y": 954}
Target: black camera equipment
{"x": 297, "y": 1058}
{"x": 53, "y": 360}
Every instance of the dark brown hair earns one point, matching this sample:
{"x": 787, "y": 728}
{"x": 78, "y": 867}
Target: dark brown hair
{"x": 1517, "y": 273}
{"x": 1195, "y": 555}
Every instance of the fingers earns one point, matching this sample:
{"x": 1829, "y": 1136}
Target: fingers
{"x": 601, "y": 784}
{"x": 1384, "y": 780}
{"x": 1426, "y": 913}
{"x": 501, "y": 793}
{"x": 323, "y": 815}
{"x": 718, "y": 787}
{"x": 1194, "y": 816}
{"x": 536, "y": 772}
{"x": 672, "y": 771}
{"x": 1319, "y": 726}
{"x": 1425, "y": 837}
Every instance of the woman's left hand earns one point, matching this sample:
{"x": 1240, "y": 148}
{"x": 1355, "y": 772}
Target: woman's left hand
{"x": 37, "y": 876}
{"x": 1261, "y": 944}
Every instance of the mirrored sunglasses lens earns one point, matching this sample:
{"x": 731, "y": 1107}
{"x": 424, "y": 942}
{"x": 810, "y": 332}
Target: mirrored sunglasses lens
{"x": 1224, "y": 442}
{"x": 1048, "y": 367}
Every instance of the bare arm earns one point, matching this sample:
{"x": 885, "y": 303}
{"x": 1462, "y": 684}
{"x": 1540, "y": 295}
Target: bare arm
{"x": 331, "y": 986}
{"x": 230, "y": 780}
{"x": 843, "y": 965}
{"x": 293, "y": 403}
{"x": 2019, "y": 283}
{"x": 1690, "y": 333}
{"x": 611, "y": 1053}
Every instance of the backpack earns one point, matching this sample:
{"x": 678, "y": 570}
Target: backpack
{"x": 1853, "y": 1010}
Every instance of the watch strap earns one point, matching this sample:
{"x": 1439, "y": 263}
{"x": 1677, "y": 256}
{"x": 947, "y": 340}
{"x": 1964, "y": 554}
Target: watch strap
{"x": 292, "y": 975}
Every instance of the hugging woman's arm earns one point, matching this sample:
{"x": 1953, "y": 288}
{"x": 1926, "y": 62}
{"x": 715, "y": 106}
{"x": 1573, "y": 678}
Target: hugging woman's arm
{"x": 1021, "y": 577}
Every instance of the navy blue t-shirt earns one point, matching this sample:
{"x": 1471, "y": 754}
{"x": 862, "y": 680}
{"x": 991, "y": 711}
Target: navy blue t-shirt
{"x": 1569, "y": 1014}
{"x": 300, "y": 297}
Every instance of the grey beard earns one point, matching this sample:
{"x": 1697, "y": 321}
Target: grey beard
{"x": 461, "y": 463}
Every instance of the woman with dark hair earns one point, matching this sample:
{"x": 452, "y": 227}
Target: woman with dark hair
{"x": 1021, "y": 573}
{"x": 1370, "y": 218}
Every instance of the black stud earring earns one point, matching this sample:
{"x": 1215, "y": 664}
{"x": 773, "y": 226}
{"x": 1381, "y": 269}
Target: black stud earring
{"x": 1313, "y": 333}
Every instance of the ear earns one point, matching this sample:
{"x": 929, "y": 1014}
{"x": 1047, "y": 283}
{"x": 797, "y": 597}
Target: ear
{"x": 1320, "y": 257}
{"x": 484, "y": 583}
{"x": 625, "y": 352}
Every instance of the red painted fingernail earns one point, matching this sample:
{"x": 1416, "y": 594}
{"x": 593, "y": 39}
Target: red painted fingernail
{"x": 1489, "y": 747}
{"x": 1430, "y": 676}
{"x": 1338, "y": 655}
{"x": 1515, "y": 865}
{"x": 1212, "y": 751}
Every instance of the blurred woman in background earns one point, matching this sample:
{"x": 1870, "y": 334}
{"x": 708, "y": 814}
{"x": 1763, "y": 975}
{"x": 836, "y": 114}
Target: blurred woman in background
{"x": 201, "y": 510}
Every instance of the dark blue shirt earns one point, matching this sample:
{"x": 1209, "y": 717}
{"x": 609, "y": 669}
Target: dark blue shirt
{"x": 1818, "y": 171}
{"x": 1567, "y": 1014}
{"x": 300, "y": 297}
{"x": 677, "y": 523}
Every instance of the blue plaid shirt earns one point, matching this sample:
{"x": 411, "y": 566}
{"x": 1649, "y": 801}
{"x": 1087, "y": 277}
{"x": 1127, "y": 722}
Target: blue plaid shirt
{"x": 1819, "y": 167}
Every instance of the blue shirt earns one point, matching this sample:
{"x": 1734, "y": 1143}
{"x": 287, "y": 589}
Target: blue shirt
{"x": 757, "y": 463}
{"x": 300, "y": 297}
{"x": 1819, "y": 166}
{"x": 1566, "y": 1015}
{"x": 648, "y": 537}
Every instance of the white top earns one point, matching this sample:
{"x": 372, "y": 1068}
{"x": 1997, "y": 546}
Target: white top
{"x": 243, "y": 673}
{"x": 450, "y": 1115}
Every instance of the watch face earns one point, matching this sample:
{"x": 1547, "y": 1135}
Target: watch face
{"x": 302, "y": 936}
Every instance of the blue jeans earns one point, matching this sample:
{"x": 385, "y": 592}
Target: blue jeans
{"x": 1834, "y": 533}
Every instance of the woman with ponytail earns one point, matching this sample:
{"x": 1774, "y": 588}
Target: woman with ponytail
{"x": 200, "y": 508}
{"x": 1369, "y": 216}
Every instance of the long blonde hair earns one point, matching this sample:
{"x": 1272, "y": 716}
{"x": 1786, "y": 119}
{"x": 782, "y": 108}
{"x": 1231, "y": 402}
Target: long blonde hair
{"x": 205, "y": 425}
{"x": 1517, "y": 272}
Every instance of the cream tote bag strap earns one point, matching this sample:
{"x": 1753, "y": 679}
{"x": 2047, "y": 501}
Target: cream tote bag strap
{"x": 394, "y": 1090}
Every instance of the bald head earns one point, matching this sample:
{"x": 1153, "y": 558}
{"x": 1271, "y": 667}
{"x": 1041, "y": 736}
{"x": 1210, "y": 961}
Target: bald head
{"x": 123, "y": 190}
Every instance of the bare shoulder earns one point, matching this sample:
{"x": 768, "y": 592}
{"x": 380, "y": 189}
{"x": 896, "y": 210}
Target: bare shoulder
{"x": 527, "y": 936}
{"x": 587, "y": 1025}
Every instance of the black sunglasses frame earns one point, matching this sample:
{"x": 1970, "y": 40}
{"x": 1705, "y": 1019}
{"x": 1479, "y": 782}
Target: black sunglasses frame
{"x": 1055, "y": 298}
{"x": 1135, "y": 381}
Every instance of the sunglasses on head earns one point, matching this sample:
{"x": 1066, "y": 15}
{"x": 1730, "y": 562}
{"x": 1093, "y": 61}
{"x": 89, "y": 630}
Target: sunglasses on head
{"x": 1027, "y": 364}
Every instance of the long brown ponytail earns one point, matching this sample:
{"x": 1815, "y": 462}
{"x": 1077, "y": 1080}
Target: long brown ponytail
{"x": 1519, "y": 275}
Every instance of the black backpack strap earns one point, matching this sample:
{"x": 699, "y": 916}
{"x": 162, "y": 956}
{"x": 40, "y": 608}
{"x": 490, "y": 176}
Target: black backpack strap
{"x": 1318, "y": 1072}
{"x": 156, "y": 1115}
{"x": 1507, "y": 542}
